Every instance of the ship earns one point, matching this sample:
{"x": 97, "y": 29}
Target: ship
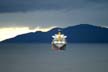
{"x": 59, "y": 41}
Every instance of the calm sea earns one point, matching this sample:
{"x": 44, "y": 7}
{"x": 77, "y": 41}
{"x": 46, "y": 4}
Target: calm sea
{"x": 41, "y": 58}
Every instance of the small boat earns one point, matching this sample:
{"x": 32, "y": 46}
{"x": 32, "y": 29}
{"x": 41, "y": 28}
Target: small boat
{"x": 59, "y": 41}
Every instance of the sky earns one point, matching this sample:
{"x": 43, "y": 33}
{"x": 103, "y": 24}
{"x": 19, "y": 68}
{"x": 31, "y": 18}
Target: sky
{"x": 23, "y": 16}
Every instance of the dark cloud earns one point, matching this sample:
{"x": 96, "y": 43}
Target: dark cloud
{"x": 52, "y": 12}
{"x": 29, "y": 5}
{"x": 99, "y": 1}
{"x": 25, "y": 5}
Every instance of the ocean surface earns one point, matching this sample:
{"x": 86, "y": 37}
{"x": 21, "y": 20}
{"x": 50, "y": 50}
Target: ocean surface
{"x": 41, "y": 58}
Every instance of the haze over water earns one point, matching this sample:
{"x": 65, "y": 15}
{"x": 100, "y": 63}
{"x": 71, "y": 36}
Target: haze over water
{"x": 41, "y": 58}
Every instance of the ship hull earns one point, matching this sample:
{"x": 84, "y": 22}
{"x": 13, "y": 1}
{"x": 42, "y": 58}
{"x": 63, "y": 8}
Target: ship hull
{"x": 56, "y": 47}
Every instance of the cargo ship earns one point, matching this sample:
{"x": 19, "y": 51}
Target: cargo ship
{"x": 59, "y": 41}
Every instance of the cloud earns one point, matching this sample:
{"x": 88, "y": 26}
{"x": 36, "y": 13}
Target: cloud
{"x": 11, "y": 32}
{"x": 31, "y": 5}
{"x": 99, "y": 1}
{"x": 55, "y": 18}
{"x": 46, "y": 13}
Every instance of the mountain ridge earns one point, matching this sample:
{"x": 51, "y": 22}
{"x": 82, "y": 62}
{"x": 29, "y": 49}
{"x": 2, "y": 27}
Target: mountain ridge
{"x": 82, "y": 33}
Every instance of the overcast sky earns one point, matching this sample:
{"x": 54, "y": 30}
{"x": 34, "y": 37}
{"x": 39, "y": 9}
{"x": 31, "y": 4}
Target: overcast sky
{"x": 46, "y": 13}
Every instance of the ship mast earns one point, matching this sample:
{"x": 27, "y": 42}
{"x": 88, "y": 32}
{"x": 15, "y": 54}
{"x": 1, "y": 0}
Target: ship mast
{"x": 59, "y": 36}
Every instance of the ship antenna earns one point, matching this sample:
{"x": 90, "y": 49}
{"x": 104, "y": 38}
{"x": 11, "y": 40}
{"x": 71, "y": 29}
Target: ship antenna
{"x": 59, "y": 31}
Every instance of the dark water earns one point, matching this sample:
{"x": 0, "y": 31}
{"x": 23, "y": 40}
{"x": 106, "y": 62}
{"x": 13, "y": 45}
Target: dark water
{"x": 41, "y": 58}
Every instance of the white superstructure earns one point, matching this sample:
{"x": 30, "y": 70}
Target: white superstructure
{"x": 59, "y": 40}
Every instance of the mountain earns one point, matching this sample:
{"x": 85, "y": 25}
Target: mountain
{"x": 83, "y": 33}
